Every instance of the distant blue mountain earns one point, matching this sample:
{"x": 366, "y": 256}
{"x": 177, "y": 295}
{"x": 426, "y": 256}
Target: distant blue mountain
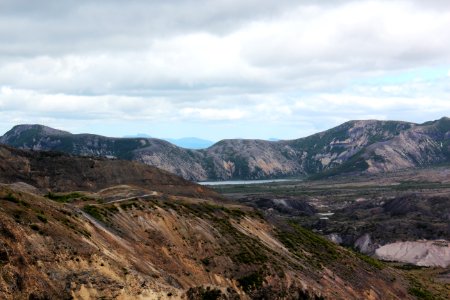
{"x": 187, "y": 142}
{"x": 138, "y": 135}
{"x": 191, "y": 143}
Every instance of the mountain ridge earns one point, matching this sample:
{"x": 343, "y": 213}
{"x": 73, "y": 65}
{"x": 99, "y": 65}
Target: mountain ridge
{"x": 369, "y": 146}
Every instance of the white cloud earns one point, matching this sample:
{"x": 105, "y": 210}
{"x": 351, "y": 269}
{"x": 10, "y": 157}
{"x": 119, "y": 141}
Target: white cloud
{"x": 212, "y": 114}
{"x": 277, "y": 63}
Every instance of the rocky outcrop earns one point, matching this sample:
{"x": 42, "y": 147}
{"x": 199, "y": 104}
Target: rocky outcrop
{"x": 355, "y": 146}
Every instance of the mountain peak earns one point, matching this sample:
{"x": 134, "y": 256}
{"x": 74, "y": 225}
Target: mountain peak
{"x": 37, "y": 128}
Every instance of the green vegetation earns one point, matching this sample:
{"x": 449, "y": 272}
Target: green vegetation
{"x": 64, "y": 198}
{"x": 201, "y": 293}
{"x": 418, "y": 290}
{"x": 11, "y": 198}
{"x": 249, "y": 256}
{"x": 251, "y": 282}
{"x": 25, "y": 137}
{"x": 207, "y": 210}
{"x": 34, "y": 227}
{"x": 72, "y": 226}
{"x": 112, "y": 208}
{"x": 42, "y": 218}
{"x": 242, "y": 169}
{"x": 443, "y": 125}
{"x": 206, "y": 261}
{"x": 414, "y": 184}
{"x": 356, "y": 163}
{"x": 127, "y": 206}
{"x": 408, "y": 267}
{"x": 95, "y": 212}
{"x": 421, "y": 293}
{"x": 101, "y": 212}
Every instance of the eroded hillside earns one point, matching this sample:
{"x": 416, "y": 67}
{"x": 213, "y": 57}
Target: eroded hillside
{"x": 355, "y": 146}
{"x": 84, "y": 228}
{"x": 93, "y": 245}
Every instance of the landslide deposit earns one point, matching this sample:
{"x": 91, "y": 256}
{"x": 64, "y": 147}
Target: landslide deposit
{"x": 420, "y": 253}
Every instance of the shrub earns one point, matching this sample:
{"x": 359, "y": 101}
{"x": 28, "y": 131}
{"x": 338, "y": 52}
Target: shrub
{"x": 95, "y": 212}
{"x": 10, "y": 197}
{"x": 42, "y": 218}
{"x": 203, "y": 294}
{"x": 251, "y": 282}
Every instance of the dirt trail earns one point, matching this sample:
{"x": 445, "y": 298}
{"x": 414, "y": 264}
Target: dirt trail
{"x": 134, "y": 197}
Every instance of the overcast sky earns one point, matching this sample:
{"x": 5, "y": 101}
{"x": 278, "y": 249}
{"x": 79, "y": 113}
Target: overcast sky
{"x": 221, "y": 69}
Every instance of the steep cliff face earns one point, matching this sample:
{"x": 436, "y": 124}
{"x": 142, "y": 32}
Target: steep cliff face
{"x": 355, "y": 146}
{"x": 158, "y": 237}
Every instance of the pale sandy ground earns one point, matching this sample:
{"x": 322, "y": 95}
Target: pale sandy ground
{"x": 420, "y": 253}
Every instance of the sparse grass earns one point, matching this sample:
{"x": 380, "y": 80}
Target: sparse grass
{"x": 207, "y": 210}
{"x": 420, "y": 293}
{"x": 417, "y": 290}
{"x": 297, "y": 238}
{"x": 248, "y": 250}
{"x": 371, "y": 261}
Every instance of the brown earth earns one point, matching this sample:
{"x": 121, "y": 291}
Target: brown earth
{"x": 123, "y": 236}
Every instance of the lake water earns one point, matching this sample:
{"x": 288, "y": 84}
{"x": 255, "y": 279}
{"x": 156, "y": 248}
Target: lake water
{"x": 243, "y": 182}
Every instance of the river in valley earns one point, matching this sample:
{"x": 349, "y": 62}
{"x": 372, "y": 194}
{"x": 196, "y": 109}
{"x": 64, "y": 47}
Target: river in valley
{"x": 244, "y": 182}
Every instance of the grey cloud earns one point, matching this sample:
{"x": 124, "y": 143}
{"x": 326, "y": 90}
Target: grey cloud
{"x": 56, "y": 27}
{"x": 151, "y": 60}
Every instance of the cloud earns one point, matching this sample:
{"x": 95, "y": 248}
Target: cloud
{"x": 212, "y": 114}
{"x": 282, "y": 63}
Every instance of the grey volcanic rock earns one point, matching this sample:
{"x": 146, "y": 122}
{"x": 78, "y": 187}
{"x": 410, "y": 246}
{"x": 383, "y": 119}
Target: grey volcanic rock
{"x": 419, "y": 146}
{"x": 356, "y": 146}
